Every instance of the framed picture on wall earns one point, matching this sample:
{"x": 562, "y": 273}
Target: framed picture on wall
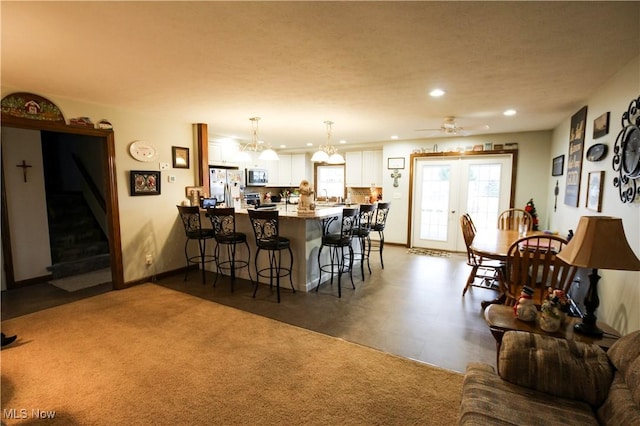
{"x": 601, "y": 125}
{"x": 180, "y": 157}
{"x": 557, "y": 168}
{"x": 574, "y": 160}
{"x": 594, "y": 191}
{"x": 144, "y": 182}
{"x": 395, "y": 163}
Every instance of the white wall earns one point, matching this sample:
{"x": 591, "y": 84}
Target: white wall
{"x": 26, "y": 204}
{"x": 619, "y": 291}
{"x": 532, "y": 168}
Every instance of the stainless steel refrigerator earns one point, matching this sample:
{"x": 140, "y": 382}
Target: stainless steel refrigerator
{"x": 226, "y": 185}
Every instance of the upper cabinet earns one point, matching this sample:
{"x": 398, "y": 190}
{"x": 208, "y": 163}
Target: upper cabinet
{"x": 223, "y": 154}
{"x": 292, "y": 168}
{"x": 364, "y": 168}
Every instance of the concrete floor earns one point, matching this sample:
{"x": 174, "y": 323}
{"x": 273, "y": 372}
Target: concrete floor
{"x": 413, "y": 308}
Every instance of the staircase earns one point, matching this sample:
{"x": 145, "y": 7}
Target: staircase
{"x": 78, "y": 244}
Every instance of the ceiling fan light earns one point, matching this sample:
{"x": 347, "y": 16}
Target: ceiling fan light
{"x": 268, "y": 155}
{"x": 336, "y": 159}
{"x": 320, "y": 156}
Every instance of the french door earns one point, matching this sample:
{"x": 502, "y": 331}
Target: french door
{"x": 446, "y": 188}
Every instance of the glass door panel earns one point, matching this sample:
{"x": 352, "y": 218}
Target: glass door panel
{"x": 447, "y": 188}
{"x": 435, "y": 192}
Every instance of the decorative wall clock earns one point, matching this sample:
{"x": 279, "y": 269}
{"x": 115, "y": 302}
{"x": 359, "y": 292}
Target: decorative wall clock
{"x": 626, "y": 154}
{"x": 143, "y": 151}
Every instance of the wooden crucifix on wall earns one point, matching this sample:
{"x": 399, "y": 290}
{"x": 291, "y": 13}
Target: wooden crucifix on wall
{"x": 24, "y": 166}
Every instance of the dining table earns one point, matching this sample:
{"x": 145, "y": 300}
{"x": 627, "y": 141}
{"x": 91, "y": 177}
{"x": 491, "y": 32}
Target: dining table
{"x": 494, "y": 244}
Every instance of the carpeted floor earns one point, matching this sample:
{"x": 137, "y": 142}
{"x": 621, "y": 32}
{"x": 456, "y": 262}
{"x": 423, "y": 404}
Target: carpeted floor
{"x": 150, "y": 355}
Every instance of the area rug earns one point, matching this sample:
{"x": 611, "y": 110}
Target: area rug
{"x": 429, "y": 252}
{"x": 151, "y": 355}
{"x": 82, "y": 281}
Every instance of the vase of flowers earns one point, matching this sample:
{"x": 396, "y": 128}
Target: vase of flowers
{"x": 554, "y": 310}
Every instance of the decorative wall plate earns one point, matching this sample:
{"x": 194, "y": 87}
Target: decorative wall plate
{"x": 597, "y": 152}
{"x": 143, "y": 151}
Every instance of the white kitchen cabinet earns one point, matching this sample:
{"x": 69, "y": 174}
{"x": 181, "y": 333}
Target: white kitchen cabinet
{"x": 284, "y": 169}
{"x": 223, "y": 153}
{"x": 353, "y": 172}
{"x": 372, "y": 172}
{"x": 292, "y": 168}
{"x": 364, "y": 168}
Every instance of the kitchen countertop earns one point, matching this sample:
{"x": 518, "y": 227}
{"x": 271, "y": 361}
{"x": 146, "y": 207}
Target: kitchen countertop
{"x": 291, "y": 212}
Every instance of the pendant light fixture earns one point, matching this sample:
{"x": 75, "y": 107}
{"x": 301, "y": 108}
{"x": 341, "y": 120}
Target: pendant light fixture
{"x": 266, "y": 154}
{"x": 327, "y": 153}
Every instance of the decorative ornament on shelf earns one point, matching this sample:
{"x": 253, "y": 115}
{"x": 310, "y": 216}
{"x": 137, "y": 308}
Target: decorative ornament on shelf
{"x": 554, "y": 310}
{"x": 524, "y": 309}
{"x": 626, "y": 154}
{"x": 531, "y": 209}
{"x": 328, "y": 153}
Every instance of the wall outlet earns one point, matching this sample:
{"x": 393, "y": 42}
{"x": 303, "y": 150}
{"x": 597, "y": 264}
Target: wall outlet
{"x": 164, "y": 166}
{"x": 148, "y": 259}
{"x": 171, "y": 179}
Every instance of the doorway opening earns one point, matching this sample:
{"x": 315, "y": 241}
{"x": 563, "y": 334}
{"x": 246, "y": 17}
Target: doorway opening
{"x": 104, "y": 149}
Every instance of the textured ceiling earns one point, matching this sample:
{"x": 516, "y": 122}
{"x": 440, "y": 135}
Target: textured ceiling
{"x": 367, "y": 66}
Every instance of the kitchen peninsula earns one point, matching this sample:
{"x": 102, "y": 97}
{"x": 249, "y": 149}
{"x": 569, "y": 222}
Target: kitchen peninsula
{"x": 305, "y": 232}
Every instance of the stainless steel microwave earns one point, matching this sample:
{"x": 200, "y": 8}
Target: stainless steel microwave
{"x": 257, "y": 177}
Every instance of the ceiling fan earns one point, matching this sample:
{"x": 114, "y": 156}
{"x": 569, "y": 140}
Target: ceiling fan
{"x": 450, "y": 127}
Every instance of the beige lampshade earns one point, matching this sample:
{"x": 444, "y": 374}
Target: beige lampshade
{"x": 600, "y": 243}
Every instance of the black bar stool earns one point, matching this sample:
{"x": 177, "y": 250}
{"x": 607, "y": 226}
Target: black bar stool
{"x": 223, "y": 222}
{"x": 362, "y": 232}
{"x": 266, "y": 225}
{"x": 337, "y": 242}
{"x": 194, "y": 231}
{"x": 378, "y": 225}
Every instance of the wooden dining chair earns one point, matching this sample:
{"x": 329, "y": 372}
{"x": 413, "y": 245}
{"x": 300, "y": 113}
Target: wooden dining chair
{"x": 511, "y": 219}
{"x": 533, "y": 261}
{"x": 488, "y": 271}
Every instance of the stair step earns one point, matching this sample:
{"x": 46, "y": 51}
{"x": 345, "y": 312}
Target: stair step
{"x": 74, "y": 233}
{"x": 78, "y": 252}
{"x": 81, "y": 266}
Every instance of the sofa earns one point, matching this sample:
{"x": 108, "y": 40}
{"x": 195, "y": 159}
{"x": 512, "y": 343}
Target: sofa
{"x": 543, "y": 380}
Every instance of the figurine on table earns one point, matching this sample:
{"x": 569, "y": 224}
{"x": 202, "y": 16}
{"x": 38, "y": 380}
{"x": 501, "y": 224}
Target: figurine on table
{"x": 306, "y": 196}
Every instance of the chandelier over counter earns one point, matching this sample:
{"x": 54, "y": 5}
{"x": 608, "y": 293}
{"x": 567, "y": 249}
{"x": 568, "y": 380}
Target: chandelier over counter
{"x": 328, "y": 153}
{"x": 256, "y": 145}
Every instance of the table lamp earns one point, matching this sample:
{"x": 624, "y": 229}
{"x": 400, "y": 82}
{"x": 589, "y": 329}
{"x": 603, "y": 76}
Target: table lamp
{"x": 599, "y": 243}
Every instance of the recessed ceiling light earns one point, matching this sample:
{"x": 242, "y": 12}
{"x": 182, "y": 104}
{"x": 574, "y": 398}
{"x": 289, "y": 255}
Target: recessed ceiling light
{"x": 510, "y": 112}
{"x": 309, "y": 144}
{"x": 394, "y": 136}
{"x": 283, "y": 146}
{"x": 343, "y": 141}
{"x": 436, "y": 93}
